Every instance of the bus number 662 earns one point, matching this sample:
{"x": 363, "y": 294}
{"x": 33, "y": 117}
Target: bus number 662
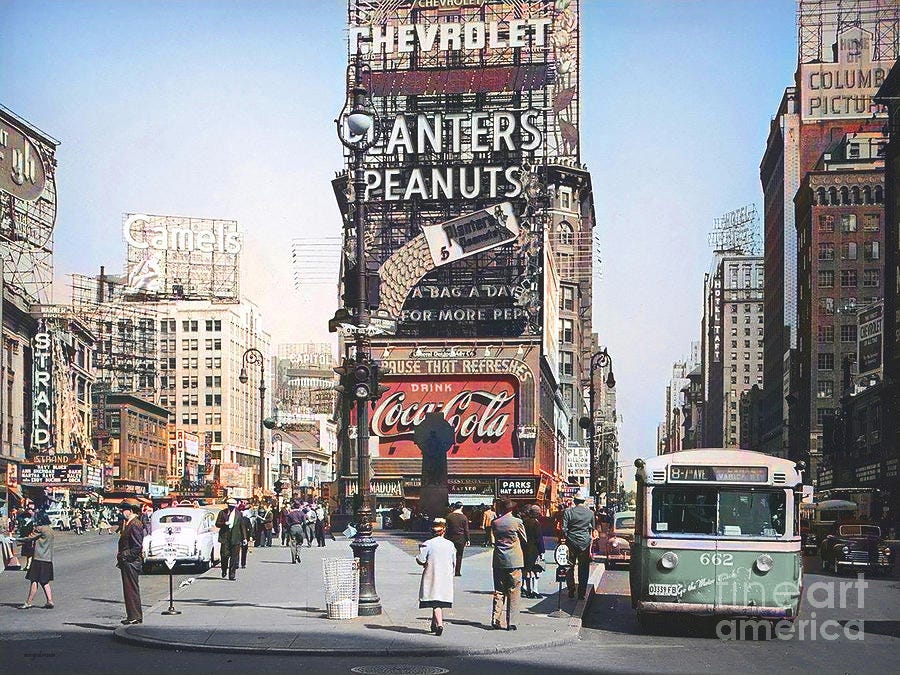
{"x": 717, "y": 559}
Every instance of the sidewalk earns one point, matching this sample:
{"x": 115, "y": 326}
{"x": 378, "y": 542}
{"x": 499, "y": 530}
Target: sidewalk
{"x": 279, "y": 608}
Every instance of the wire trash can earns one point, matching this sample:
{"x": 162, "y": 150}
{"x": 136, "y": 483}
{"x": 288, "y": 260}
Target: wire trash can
{"x": 341, "y": 587}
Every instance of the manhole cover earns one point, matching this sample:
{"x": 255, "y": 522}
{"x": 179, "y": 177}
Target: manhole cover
{"x": 399, "y": 669}
{"x": 15, "y": 637}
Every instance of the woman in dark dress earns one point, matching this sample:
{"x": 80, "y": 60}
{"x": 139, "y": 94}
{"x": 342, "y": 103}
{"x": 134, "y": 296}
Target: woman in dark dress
{"x": 40, "y": 572}
{"x": 534, "y": 550}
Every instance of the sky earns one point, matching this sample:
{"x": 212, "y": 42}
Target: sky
{"x": 225, "y": 110}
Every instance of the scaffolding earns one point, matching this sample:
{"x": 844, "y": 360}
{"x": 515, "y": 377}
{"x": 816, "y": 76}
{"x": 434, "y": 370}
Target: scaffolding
{"x": 125, "y": 359}
{"x": 819, "y": 22}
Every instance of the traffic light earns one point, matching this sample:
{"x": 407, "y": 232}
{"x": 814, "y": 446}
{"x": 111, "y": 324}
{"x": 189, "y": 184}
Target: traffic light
{"x": 376, "y": 388}
{"x": 345, "y": 378}
{"x": 279, "y": 486}
{"x": 362, "y": 380}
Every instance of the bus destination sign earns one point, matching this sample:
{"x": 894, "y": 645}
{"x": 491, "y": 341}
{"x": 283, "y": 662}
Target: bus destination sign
{"x": 719, "y": 474}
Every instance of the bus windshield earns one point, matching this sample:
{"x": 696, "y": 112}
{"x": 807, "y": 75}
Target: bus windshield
{"x": 729, "y": 512}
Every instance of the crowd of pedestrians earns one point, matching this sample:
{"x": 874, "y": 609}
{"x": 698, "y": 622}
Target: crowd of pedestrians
{"x": 516, "y": 534}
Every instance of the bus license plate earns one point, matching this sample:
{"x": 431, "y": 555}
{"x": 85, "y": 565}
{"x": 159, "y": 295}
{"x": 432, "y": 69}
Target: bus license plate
{"x": 664, "y": 589}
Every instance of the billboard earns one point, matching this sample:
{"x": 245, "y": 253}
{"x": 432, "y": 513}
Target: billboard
{"x": 487, "y": 392}
{"x": 870, "y": 339}
{"x": 28, "y": 216}
{"x": 42, "y": 401}
{"x": 177, "y": 257}
{"x": 473, "y": 99}
{"x": 480, "y": 408}
{"x": 843, "y": 89}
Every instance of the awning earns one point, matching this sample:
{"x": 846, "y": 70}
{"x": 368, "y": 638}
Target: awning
{"x": 115, "y": 501}
{"x": 472, "y": 500}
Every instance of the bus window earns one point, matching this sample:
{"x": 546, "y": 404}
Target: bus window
{"x": 684, "y": 511}
{"x": 729, "y": 512}
{"x": 752, "y": 513}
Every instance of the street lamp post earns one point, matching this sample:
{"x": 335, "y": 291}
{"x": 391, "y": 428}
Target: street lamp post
{"x": 599, "y": 360}
{"x": 358, "y": 131}
{"x": 253, "y": 356}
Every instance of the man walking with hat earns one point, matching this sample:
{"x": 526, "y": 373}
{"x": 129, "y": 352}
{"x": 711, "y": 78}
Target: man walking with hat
{"x": 577, "y": 528}
{"x": 128, "y": 560}
{"x": 232, "y": 535}
{"x": 458, "y": 532}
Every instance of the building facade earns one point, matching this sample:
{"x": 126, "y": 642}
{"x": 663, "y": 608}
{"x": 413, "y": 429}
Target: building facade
{"x": 481, "y": 218}
{"x": 138, "y": 439}
{"x": 201, "y": 350}
{"x": 28, "y": 204}
{"x": 840, "y": 228}
{"x": 733, "y": 344}
{"x": 845, "y": 50}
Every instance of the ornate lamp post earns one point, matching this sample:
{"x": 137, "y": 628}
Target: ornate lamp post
{"x": 252, "y": 357}
{"x": 358, "y": 131}
{"x": 599, "y": 360}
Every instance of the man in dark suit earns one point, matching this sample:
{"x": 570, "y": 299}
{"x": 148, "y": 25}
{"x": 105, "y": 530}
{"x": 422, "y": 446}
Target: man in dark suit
{"x": 578, "y": 528}
{"x": 128, "y": 560}
{"x": 509, "y": 559}
{"x": 232, "y": 535}
{"x": 458, "y": 532}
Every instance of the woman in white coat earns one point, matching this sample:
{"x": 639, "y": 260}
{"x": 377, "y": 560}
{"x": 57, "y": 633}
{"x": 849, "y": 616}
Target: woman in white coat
{"x": 438, "y": 557}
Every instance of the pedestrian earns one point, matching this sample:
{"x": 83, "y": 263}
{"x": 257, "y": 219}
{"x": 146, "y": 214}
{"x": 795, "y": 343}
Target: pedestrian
{"x": 486, "y": 519}
{"x": 267, "y": 523}
{"x": 146, "y": 515}
{"x": 78, "y": 522}
{"x": 41, "y": 570}
{"x": 309, "y": 524}
{"x": 232, "y": 535}
{"x": 577, "y": 530}
{"x": 128, "y": 560}
{"x": 458, "y": 533}
{"x": 282, "y": 525}
{"x": 245, "y": 544}
{"x": 24, "y": 529}
{"x": 294, "y": 523}
{"x": 534, "y": 550}
{"x": 508, "y": 533}
{"x": 320, "y": 525}
{"x": 438, "y": 556}
{"x": 103, "y": 524}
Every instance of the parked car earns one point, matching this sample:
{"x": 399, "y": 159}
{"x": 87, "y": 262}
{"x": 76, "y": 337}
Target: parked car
{"x": 189, "y": 535}
{"x": 620, "y": 539}
{"x": 856, "y": 545}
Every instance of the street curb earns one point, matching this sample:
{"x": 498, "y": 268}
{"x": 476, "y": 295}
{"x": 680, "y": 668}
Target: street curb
{"x": 121, "y": 634}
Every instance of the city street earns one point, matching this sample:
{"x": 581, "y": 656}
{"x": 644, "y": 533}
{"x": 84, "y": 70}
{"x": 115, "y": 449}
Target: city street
{"x": 76, "y": 636}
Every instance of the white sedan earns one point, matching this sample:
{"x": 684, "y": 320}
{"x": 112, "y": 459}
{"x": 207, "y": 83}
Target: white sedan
{"x": 187, "y": 535}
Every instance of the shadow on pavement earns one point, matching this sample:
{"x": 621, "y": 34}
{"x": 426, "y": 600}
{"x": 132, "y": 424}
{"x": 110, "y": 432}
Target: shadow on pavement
{"x": 398, "y": 629}
{"x": 474, "y": 624}
{"x": 889, "y": 628}
{"x": 91, "y": 626}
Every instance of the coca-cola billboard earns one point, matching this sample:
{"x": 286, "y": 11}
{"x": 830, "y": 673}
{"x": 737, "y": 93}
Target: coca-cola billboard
{"x": 481, "y": 409}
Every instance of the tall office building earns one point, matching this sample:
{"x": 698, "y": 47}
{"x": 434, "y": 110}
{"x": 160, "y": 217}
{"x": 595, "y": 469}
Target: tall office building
{"x": 733, "y": 344}
{"x": 845, "y": 49}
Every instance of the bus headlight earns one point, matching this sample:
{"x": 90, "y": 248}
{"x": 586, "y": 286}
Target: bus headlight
{"x": 615, "y": 543}
{"x": 764, "y": 563}
{"x": 669, "y": 560}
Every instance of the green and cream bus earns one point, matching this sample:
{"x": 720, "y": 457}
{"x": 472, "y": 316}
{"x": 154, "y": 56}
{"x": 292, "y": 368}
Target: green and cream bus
{"x": 717, "y": 533}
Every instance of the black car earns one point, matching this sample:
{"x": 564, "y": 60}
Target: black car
{"x": 857, "y": 546}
